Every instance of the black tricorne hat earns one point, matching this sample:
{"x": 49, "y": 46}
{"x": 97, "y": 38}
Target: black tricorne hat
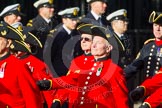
{"x": 155, "y": 17}
{"x": 28, "y": 36}
{"x": 85, "y": 28}
{"x": 105, "y": 33}
{"x": 19, "y": 46}
{"x": 9, "y": 32}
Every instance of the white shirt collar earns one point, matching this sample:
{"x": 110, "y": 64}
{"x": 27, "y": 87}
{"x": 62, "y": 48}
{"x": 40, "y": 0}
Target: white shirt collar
{"x": 66, "y": 29}
{"x": 119, "y": 35}
{"x": 47, "y": 20}
{"x": 95, "y": 15}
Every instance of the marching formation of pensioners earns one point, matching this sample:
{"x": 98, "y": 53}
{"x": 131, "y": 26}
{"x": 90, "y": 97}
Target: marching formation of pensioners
{"x": 90, "y": 62}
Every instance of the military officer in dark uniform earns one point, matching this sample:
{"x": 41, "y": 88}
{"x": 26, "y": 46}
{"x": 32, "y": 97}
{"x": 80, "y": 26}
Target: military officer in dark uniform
{"x": 119, "y": 24}
{"x": 64, "y": 46}
{"x": 149, "y": 59}
{"x": 12, "y": 14}
{"x": 43, "y": 23}
{"x": 95, "y": 14}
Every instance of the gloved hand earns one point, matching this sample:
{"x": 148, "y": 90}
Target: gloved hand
{"x": 44, "y": 84}
{"x": 145, "y": 105}
{"x": 136, "y": 94}
{"x": 56, "y": 104}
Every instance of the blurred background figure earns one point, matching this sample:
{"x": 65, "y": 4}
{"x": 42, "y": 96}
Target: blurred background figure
{"x": 65, "y": 45}
{"x": 96, "y": 10}
{"x": 43, "y": 23}
{"x": 12, "y": 14}
{"x": 119, "y": 23}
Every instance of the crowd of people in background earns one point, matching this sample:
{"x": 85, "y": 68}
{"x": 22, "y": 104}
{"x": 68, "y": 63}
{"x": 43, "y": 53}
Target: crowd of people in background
{"x": 81, "y": 62}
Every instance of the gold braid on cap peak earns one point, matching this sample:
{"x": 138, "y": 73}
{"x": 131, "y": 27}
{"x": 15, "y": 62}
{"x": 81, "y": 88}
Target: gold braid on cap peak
{"x": 75, "y": 12}
{"x": 50, "y": 1}
{"x": 19, "y": 8}
{"x": 125, "y": 14}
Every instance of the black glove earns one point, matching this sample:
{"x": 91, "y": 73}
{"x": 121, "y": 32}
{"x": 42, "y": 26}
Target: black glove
{"x": 145, "y": 105}
{"x": 44, "y": 84}
{"x": 136, "y": 94}
{"x": 56, "y": 104}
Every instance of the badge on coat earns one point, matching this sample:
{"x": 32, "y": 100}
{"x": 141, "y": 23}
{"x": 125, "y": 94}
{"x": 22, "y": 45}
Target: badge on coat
{"x": 99, "y": 70}
{"x": 2, "y": 70}
{"x": 159, "y": 52}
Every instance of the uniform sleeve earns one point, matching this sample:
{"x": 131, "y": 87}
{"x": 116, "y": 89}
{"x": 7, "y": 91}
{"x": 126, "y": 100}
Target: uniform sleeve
{"x": 119, "y": 89}
{"x": 136, "y": 65}
{"x": 30, "y": 91}
{"x": 155, "y": 99}
{"x": 65, "y": 81}
{"x": 61, "y": 95}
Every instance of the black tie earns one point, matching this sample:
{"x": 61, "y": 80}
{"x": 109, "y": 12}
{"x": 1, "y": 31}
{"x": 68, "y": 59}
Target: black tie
{"x": 100, "y": 21}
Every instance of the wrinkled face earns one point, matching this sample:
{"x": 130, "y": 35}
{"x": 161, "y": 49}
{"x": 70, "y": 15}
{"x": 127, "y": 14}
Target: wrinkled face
{"x": 86, "y": 42}
{"x": 99, "y": 7}
{"x": 70, "y": 23}
{"x": 4, "y": 44}
{"x": 46, "y": 12}
{"x": 100, "y": 47}
{"x": 11, "y": 19}
{"x": 120, "y": 26}
{"x": 157, "y": 30}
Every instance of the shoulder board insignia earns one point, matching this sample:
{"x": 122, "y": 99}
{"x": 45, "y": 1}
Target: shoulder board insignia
{"x": 29, "y": 24}
{"x": 149, "y": 40}
{"x": 52, "y": 31}
{"x": 30, "y": 21}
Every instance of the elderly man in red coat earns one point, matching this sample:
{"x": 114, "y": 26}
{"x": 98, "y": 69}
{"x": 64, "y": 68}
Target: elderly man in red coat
{"x": 101, "y": 86}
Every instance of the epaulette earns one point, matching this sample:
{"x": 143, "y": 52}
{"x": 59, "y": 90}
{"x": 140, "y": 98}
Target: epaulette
{"x": 30, "y": 23}
{"x": 51, "y": 32}
{"x": 149, "y": 40}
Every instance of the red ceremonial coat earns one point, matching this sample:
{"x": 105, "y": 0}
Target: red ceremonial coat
{"x": 39, "y": 72}
{"x": 79, "y": 63}
{"x": 153, "y": 89}
{"x": 21, "y": 89}
{"x": 101, "y": 86}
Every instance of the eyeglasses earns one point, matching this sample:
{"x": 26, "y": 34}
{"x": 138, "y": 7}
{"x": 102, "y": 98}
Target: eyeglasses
{"x": 85, "y": 39}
